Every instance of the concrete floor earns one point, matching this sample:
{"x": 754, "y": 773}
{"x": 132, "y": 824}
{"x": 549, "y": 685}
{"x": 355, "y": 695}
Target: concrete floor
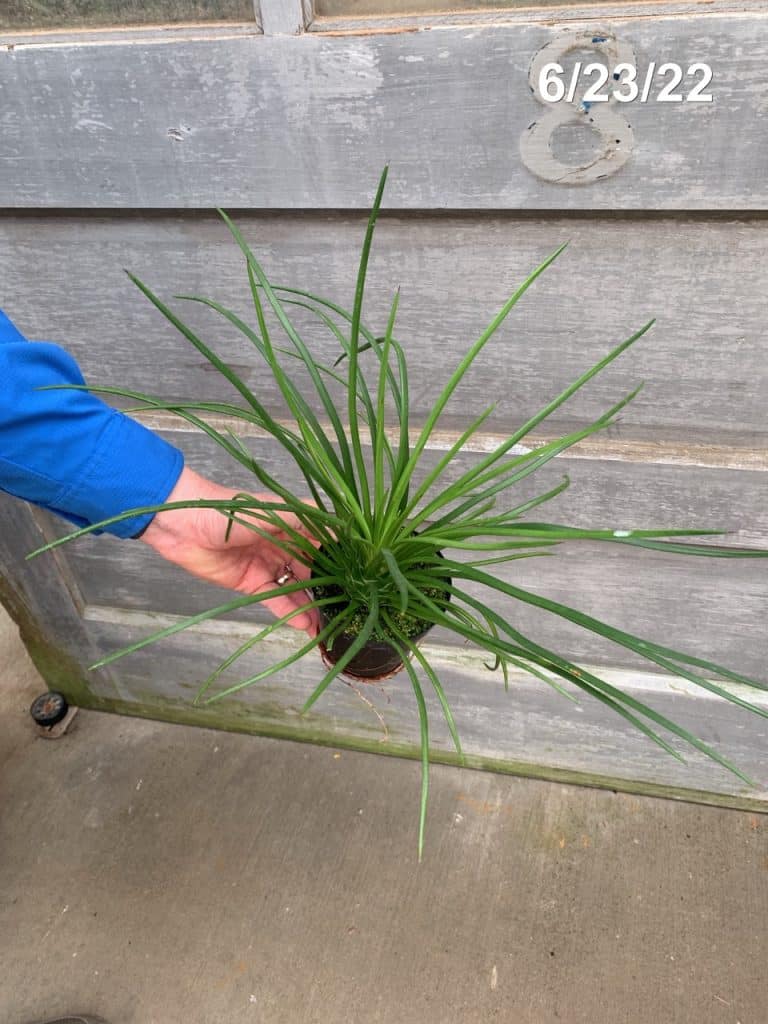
{"x": 157, "y": 874}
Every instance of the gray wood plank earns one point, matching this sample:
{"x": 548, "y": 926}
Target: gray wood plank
{"x": 697, "y": 604}
{"x": 541, "y": 734}
{"x": 117, "y": 35}
{"x": 703, "y": 363}
{"x": 609, "y": 494}
{"x": 280, "y": 17}
{"x": 401, "y": 8}
{"x": 46, "y": 14}
{"x": 531, "y": 729}
{"x": 713, "y": 609}
{"x": 44, "y": 601}
{"x": 576, "y": 12}
{"x": 88, "y": 126}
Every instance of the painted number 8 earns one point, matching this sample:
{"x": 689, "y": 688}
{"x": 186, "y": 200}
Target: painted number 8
{"x": 616, "y": 136}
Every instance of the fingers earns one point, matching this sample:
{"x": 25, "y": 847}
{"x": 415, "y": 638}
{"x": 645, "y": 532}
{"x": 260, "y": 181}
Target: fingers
{"x": 277, "y": 562}
{"x": 241, "y": 535}
{"x": 308, "y": 620}
{"x": 301, "y": 571}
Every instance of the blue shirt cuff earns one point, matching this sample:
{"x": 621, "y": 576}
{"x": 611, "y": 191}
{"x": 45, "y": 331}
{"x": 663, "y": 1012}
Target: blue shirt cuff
{"x": 131, "y": 467}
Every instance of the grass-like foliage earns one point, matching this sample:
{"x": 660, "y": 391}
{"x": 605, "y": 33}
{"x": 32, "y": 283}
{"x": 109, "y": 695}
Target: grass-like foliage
{"x": 406, "y": 547}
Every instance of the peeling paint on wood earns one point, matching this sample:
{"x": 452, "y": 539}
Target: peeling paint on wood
{"x": 445, "y": 108}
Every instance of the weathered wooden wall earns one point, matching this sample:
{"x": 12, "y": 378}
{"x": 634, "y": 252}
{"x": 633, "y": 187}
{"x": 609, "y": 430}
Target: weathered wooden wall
{"x": 115, "y": 148}
{"x": 223, "y": 120}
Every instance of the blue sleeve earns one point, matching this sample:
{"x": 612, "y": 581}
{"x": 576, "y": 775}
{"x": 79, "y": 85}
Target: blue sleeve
{"x": 68, "y": 451}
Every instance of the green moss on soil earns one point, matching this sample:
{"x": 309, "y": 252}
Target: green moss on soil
{"x": 409, "y": 625}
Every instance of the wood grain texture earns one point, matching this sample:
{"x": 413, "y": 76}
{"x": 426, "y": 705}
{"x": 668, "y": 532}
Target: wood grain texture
{"x": 704, "y": 366}
{"x": 600, "y": 446}
{"x": 703, "y": 608}
{"x": 450, "y": 14}
{"x": 88, "y": 126}
{"x": 697, "y": 604}
{"x": 612, "y": 493}
{"x": 280, "y": 17}
{"x": 44, "y": 601}
{"x": 46, "y": 14}
{"x": 121, "y": 36}
{"x": 531, "y": 725}
{"x": 401, "y": 8}
{"x": 696, "y": 607}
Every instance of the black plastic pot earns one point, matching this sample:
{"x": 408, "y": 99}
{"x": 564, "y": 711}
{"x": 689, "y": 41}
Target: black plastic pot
{"x": 377, "y": 659}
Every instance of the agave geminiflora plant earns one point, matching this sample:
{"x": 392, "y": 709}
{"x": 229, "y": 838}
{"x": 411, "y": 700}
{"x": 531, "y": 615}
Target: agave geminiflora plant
{"x": 400, "y": 545}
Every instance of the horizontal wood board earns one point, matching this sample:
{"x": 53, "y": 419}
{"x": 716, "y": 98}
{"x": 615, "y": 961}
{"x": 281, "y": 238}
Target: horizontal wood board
{"x": 248, "y": 121}
{"x": 47, "y": 14}
{"x": 710, "y": 609}
{"x": 704, "y": 365}
{"x": 702, "y": 604}
{"x": 567, "y": 12}
{"x": 531, "y": 728}
{"x": 610, "y": 494}
{"x": 404, "y": 8}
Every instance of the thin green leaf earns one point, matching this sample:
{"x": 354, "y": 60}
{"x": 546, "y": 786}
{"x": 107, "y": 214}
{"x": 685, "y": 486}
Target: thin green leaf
{"x": 593, "y": 684}
{"x": 402, "y": 646}
{"x": 273, "y": 669}
{"x": 357, "y": 645}
{"x": 507, "y": 473}
{"x": 255, "y": 639}
{"x": 220, "y": 505}
{"x": 354, "y": 339}
{"x": 557, "y": 663}
{"x": 193, "y": 620}
{"x": 400, "y": 581}
{"x": 459, "y": 373}
{"x": 440, "y": 693}
{"x": 378, "y": 434}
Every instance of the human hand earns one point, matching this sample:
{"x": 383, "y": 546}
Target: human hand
{"x": 194, "y": 538}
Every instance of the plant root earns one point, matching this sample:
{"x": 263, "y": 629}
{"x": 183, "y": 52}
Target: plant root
{"x": 373, "y": 708}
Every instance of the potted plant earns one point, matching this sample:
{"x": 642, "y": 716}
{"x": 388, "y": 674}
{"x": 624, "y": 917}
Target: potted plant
{"x": 393, "y": 549}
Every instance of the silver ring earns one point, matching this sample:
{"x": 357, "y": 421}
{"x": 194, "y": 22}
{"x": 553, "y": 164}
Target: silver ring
{"x": 286, "y": 575}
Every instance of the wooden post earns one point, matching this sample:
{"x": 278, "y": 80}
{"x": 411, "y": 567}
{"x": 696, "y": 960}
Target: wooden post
{"x": 283, "y": 17}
